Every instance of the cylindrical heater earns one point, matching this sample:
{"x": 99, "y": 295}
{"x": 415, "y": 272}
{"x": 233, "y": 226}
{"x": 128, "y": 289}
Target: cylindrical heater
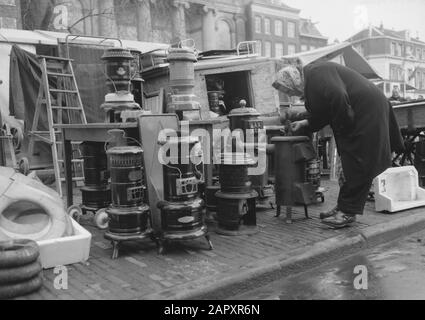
{"x": 182, "y": 99}
{"x": 296, "y": 174}
{"x": 211, "y": 202}
{"x": 182, "y": 211}
{"x": 128, "y": 214}
{"x": 96, "y": 194}
{"x": 119, "y": 73}
{"x": 420, "y": 161}
{"x": 245, "y": 119}
{"x": 236, "y": 213}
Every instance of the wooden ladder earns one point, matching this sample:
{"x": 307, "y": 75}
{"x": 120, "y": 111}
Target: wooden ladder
{"x": 59, "y": 97}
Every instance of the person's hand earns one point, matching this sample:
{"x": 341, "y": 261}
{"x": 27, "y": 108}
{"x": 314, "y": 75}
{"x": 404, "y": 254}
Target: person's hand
{"x": 298, "y": 125}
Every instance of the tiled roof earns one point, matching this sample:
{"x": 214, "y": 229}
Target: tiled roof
{"x": 275, "y": 4}
{"x": 380, "y": 31}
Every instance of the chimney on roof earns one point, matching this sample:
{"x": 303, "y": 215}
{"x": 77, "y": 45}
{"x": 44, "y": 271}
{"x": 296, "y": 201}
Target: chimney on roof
{"x": 381, "y": 27}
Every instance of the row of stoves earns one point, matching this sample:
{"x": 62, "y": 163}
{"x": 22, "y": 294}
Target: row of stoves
{"x": 115, "y": 185}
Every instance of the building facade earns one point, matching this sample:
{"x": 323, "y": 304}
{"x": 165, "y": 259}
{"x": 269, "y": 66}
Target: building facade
{"x": 398, "y": 58}
{"x": 10, "y": 14}
{"x": 212, "y": 24}
{"x": 279, "y": 29}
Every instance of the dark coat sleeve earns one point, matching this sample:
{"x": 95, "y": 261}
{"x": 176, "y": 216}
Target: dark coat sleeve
{"x": 328, "y": 97}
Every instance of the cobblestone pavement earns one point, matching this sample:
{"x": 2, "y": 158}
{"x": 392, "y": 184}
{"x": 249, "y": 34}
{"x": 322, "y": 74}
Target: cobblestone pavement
{"x": 140, "y": 271}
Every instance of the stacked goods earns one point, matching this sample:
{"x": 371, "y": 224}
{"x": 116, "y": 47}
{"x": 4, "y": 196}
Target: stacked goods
{"x": 20, "y": 268}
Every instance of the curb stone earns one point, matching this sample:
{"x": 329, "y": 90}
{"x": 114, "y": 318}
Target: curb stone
{"x": 260, "y": 273}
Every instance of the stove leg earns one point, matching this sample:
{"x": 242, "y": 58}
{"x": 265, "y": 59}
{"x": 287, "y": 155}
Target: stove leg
{"x": 289, "y": 215}
{"x": 279, "y": 211}
{"x": 115, "y": 252}
{"x": 306, "y": 212}
{"x": 211, "y": 247}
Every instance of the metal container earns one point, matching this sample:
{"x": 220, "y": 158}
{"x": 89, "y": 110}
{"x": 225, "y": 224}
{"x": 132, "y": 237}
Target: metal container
{"x": 236, "y": 199}
{"x": 182, "y": 211}
{"x": 182, "y": 99}
{"x": 239, "y": 117}
{"x": 292, "y": 158}
{"x": 128, "y": 214}
{"x": 126, "y": 168}
{"x": 234, "y": 176}
{"x": 96, "y": 194}
{"x": 118, "y": 63}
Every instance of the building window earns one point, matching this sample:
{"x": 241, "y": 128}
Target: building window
{"x": 408, "y": 51}
{"x": 267, "y": 26}
{"x": 258, "y": 24}
{"x": 268, "y": 49}
{"x": 312, "y": 47}
{"x": 259, "y": 47}
{"x": 279, "y": 50}
{"x": 396, "y": 73}
{"x": 304, "y": 47}
{"x": 400, "y": 50}
{"x": 278, "y": 28}
{"x": 292, "y": 49}
{"x": 418, "y": 53}
{"x": 393, "y": 48}
{"x": 291, "y": 30}
{"x": 423, "y": 80}
{"x": 420, "y": 80}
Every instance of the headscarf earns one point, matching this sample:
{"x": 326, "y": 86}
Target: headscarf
{"x": 290, "y": 80}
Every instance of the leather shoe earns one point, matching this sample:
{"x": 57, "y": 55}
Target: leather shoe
{"x": 325, "y": 215}
{"x": 340, "y": 220}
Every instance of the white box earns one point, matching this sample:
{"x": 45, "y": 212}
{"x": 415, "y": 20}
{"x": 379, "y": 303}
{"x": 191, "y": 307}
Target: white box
{"x": 66, "y": 251}
{"x": 397, "y": 189}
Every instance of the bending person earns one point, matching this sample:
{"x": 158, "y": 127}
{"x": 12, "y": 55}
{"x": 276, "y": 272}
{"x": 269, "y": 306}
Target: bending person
{"x": 363, "y": 123}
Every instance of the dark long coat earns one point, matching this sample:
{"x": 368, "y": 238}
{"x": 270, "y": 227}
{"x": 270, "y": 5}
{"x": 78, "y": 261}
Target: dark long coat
{"x": 361, "y": 117}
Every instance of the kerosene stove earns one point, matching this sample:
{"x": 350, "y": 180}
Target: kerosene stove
{"x": 96, "y": 193}
{"x": 182, "y": 211}
{"x": 128, "y": 216}
{"x": 297, "y": 174}
{"x": 120, "y": 71}
{"x": 182, "y": 99}
{"x": 236, "y": 214}
{"x": 246, "y": 119}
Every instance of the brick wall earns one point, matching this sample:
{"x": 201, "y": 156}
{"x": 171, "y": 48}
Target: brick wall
{"x": 10, "y": 14}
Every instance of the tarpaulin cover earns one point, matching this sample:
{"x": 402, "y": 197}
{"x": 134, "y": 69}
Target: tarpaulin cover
{"x": 25, "y": 74}
{"x": 90, "y": 77}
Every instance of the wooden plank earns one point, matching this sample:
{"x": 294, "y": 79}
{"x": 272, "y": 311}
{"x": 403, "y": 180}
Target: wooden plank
{"x": 149, "y": 127}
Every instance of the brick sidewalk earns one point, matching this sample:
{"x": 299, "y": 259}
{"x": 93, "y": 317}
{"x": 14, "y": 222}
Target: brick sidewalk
{"x": 140, "y": 271}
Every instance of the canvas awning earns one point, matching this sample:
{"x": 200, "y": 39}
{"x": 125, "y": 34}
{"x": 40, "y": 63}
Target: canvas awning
{"x": 351, "y": 58}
